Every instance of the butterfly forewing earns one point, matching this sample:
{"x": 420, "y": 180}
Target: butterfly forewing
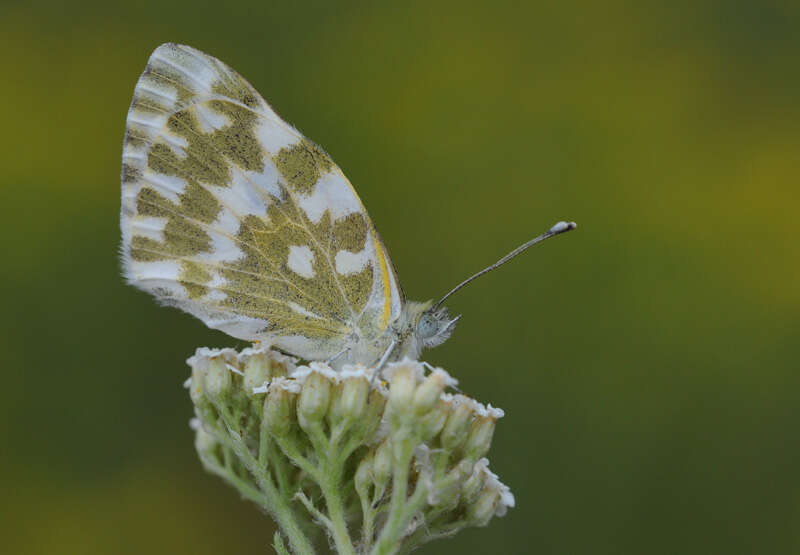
{"x": 230, "y": 214}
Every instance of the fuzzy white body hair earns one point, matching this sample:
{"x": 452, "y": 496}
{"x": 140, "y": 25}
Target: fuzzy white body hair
{"x": 404, "y": 337}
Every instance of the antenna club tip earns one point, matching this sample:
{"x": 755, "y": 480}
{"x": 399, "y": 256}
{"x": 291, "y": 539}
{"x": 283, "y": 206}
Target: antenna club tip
{"x": 561, "y": 227}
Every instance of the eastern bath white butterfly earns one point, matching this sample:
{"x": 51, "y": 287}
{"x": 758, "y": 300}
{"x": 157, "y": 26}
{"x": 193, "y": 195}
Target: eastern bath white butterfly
{"x": 230, "y": 214}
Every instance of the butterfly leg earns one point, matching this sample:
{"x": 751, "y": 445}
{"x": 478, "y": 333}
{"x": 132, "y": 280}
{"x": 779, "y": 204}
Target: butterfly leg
{"x": 382, "y": 361}
{"x": 337, "y": 355}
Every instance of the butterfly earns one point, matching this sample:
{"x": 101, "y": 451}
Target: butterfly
{"x": 232, "y": 215}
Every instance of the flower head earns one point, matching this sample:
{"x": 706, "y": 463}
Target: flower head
{"x": 380, "y": 468}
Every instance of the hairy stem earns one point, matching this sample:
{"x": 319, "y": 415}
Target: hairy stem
{"x": 388, "y": 541}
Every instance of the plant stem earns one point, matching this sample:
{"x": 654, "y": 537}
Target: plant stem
{"x": 274, "y": 503}
{"x": 369, "y": 514}
{"x": 280, "y": 548}
{"x": 389, "y": 539}
{"x": 341, "y": 537}
{"x": 422, "y": 536}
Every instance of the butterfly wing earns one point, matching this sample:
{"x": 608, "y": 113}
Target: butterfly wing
{"x": 230, "y": 214}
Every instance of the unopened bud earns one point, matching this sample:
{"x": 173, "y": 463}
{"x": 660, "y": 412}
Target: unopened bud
{"x": 204, "y": 442}
{"x": 196, "y": 390}
{"x": 373, "y": 413}
{"x": 457, "y": 425}
{"x": 335, "y": 412}
{"x": 482, "y": 510}
{"x": 363, "y": 477}
{"x": 278, "y": 411}
{"x": 217, "y": 378}
{"x": 433, "y": 422}
{"x": 382, "y": 464}
{"x": 401, "y": 388}
{"x": 449, "y": 486}
{"x": 314, "y": 397}
{"x": 256, "y": 371}
{"x": 429, "y": 391}
{"x": 479, "y": 437}
{"x": 354, "y": 397}
{"x": 472, "y": 486}
{"x": 458, "y": 473}
{"x": 278, "y": 369}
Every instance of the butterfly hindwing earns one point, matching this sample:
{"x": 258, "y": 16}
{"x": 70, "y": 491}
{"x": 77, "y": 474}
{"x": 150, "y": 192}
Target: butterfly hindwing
{"x": 230, "y": 214}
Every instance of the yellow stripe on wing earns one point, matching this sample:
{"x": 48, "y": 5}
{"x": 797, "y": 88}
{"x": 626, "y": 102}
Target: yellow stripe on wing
{"x": 387, "y": 291}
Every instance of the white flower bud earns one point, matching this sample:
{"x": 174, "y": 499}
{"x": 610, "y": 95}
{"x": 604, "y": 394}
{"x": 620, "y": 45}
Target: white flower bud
{"x": 462, "y": 470}
{"x": 429, "y": 391}
{"x": 448, "y": 489}
{"x": 279, "y": 369}
{"x": 354, "y": 397}
{"x": 457, "y": 425}
{"x": 204, "y": 442}
{"x": 401, "y": 388}
{"x": 196, "y": 390}
{"x": 472, "y": 486}
{"x": 314, "y": 398}
{"x": 482, "y": 510}
{"x": 196, "y": 384}
{"x": 382, "y": 464}
{"x": 256, "y": 371}
{"x": 506, "y": 498}
{"x": 335, "y": 412}
{"x": 433, "y": 422}
{"x": 217, "y": 378}
{"x": 479, "y": 437}
{"x": 373, "y": 413}
{"x": 278, "y": 411}
{"x": 363, "y": 477}
{"x": 349, "y": 400}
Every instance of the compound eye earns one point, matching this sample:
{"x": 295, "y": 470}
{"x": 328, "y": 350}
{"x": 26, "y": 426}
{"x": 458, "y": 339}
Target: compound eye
{"x": 426, "y": 326}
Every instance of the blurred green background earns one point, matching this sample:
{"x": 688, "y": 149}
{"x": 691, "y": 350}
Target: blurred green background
{"x": 647, "y": 363}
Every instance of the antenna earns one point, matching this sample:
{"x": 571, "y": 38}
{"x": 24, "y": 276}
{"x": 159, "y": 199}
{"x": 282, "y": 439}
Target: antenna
{"x": 557, "y": 229}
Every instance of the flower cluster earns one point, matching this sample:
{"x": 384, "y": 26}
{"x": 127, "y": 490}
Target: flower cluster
{"x": 381, "y": 469}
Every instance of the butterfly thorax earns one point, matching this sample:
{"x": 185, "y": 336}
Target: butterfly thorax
{"x": 419, "y": 326}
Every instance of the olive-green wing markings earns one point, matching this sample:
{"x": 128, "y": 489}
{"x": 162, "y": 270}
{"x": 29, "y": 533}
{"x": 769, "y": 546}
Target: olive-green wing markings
{"x": 184, "y": 123}
{"x": 294, "y": 163}
{"x": 301, "y": 164}
{"x": 232, "y": 215}
{"x": 149, "y": 204}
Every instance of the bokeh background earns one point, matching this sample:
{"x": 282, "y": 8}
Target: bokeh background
{"x": 647, "y": 363}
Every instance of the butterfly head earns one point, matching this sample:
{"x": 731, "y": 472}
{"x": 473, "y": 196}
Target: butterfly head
{"x": 434, "y": 325}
